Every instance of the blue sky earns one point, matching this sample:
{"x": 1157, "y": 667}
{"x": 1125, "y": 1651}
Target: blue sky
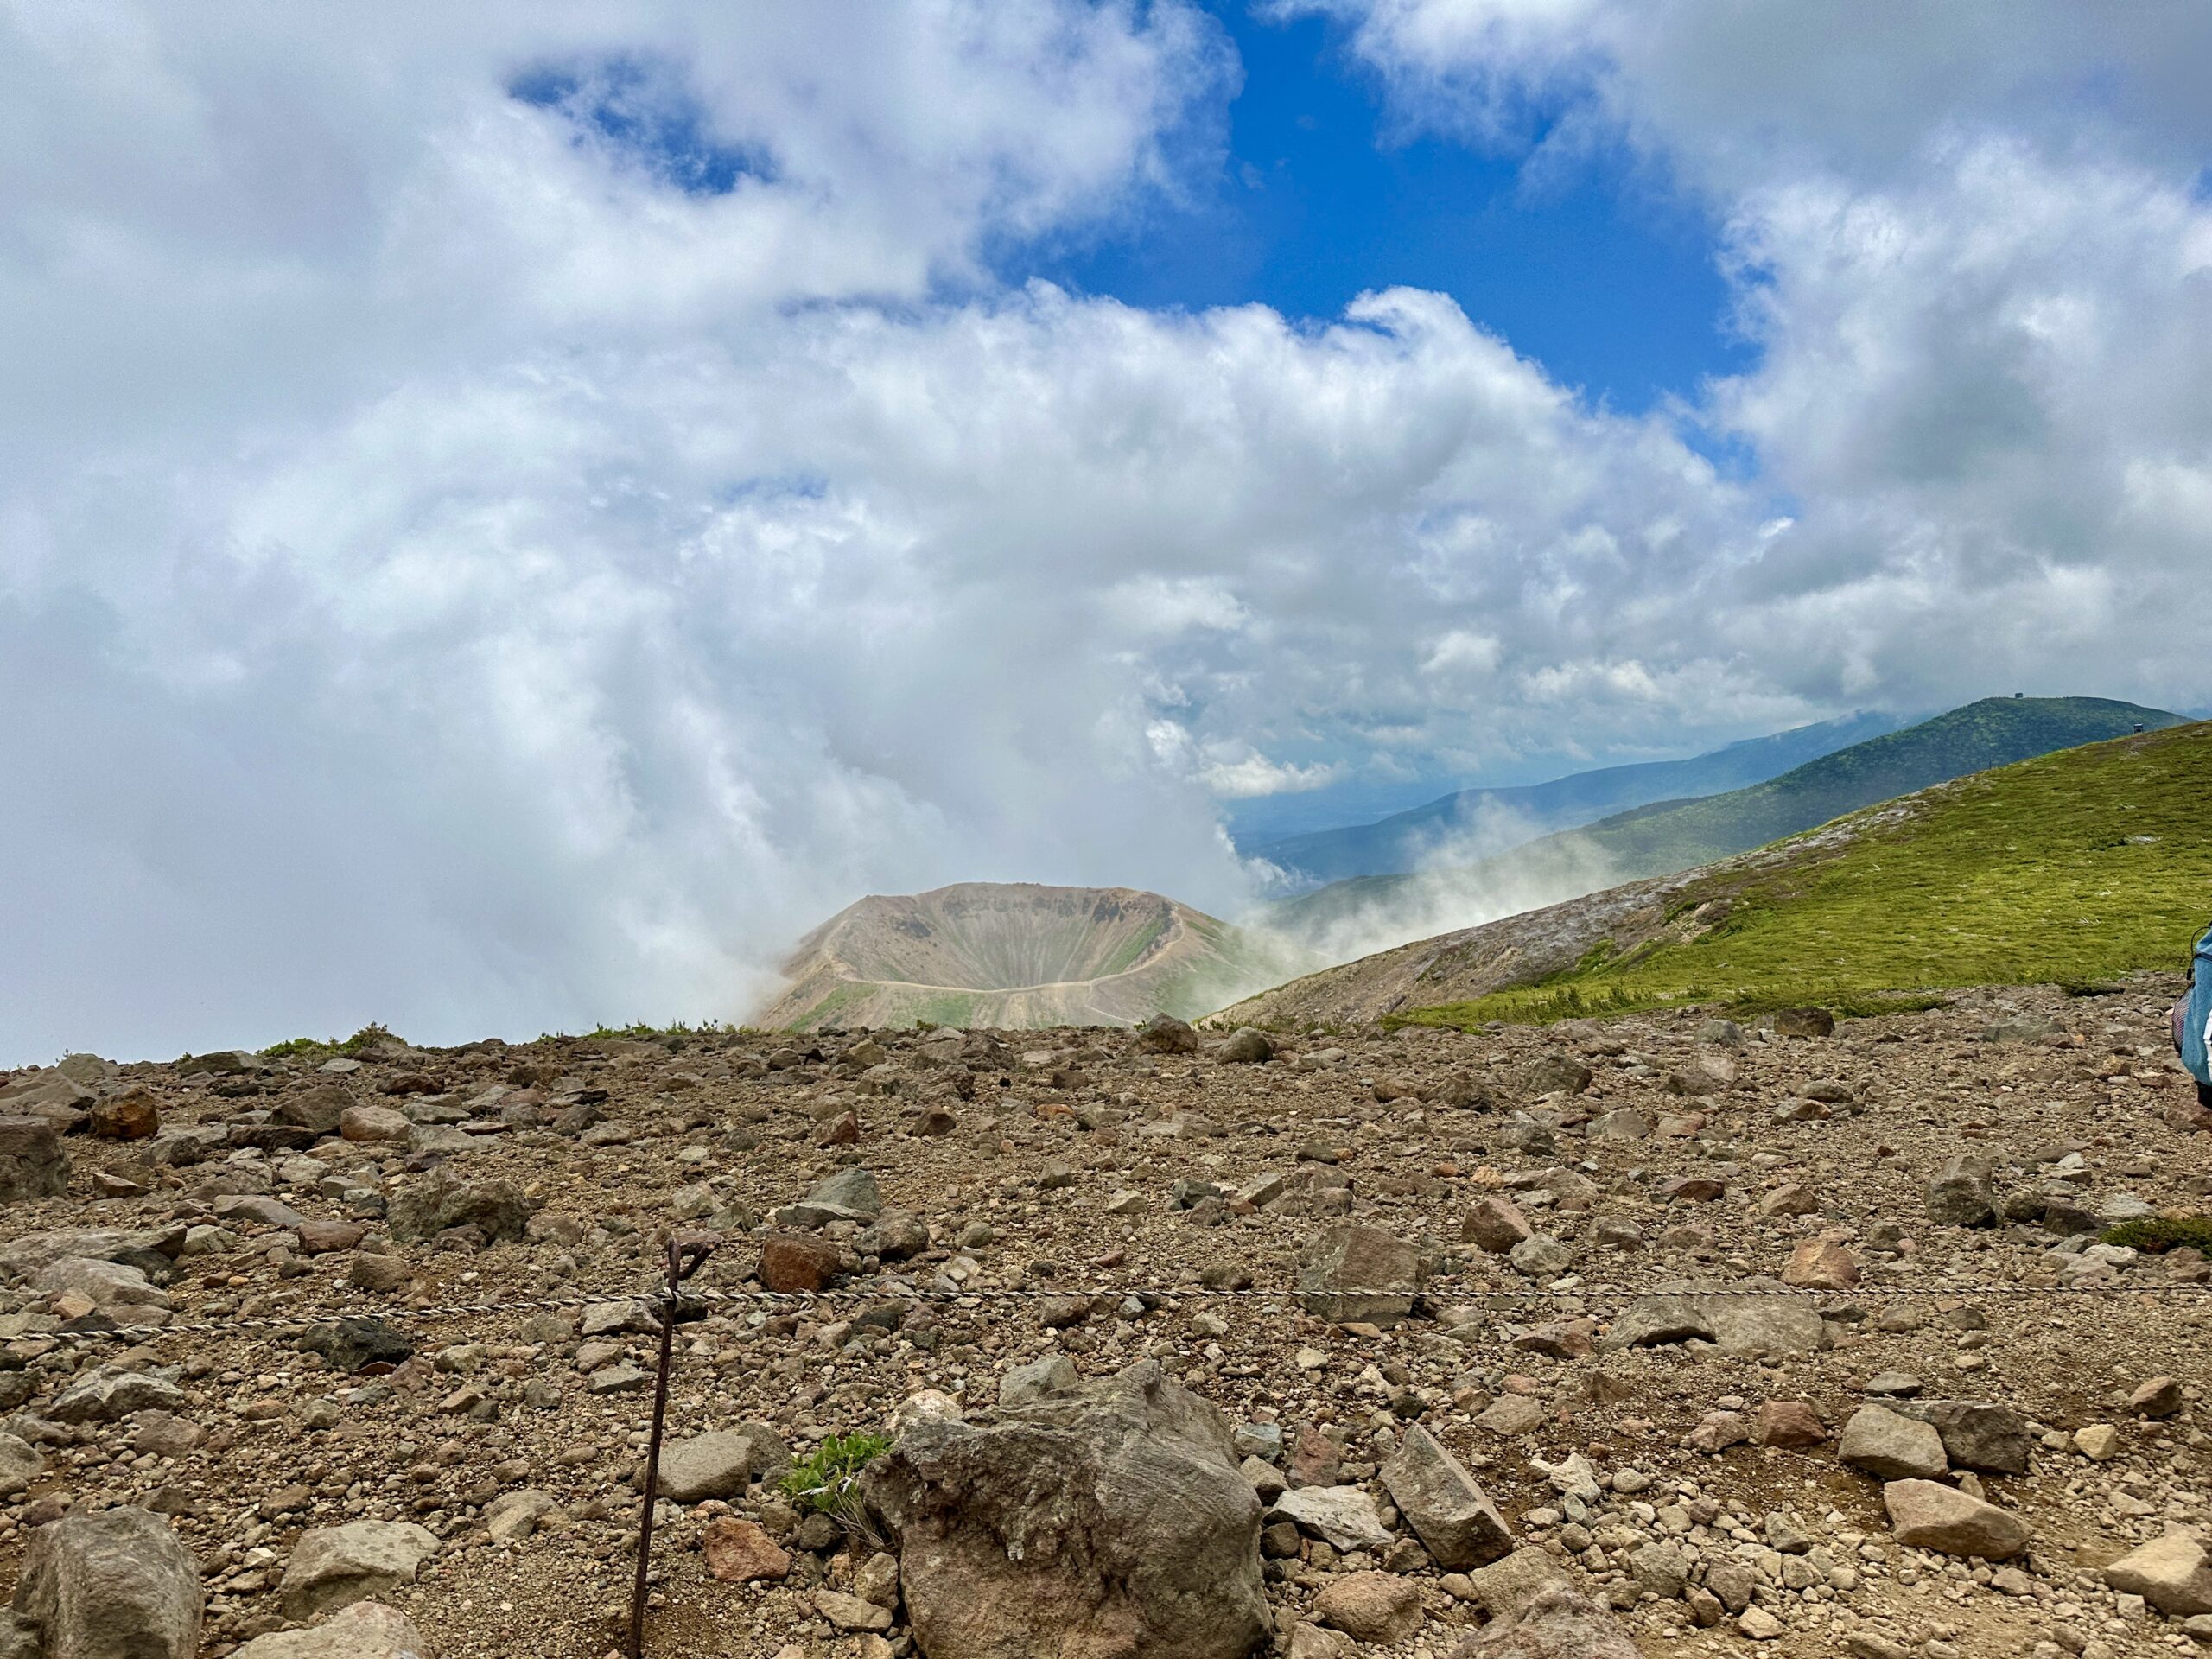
{"x": 1605, "y": 273}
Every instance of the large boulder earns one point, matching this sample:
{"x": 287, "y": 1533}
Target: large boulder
{"x": 1928, "y": 1514}
{"x": 1558, "y": 1623}
{"x": 428, "y": 1206}
{"x": 117, "y": 1585}
{"x": 1739, "y": 1323}
{"x": 1892, "y": 1448}
{"x": 335, "y": 1567}
{"x": 367, "y": 1629}
{"x": 2173, "y": 1573}
{"x": 107, "y": 1394}
{"x": 1359, "y": 1274}
{"x": 1977, "y": 1433}
{"x": 1448, "y": 1507}
{"x": 1102, "y": 1517}
{"x": 32, "y": 1163}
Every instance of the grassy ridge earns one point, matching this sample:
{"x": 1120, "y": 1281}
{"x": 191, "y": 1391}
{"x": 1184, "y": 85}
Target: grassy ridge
{"x": 1995, "y": 732}
{"x": 2072, "y": 867}
{"x": 1669, "y": 836}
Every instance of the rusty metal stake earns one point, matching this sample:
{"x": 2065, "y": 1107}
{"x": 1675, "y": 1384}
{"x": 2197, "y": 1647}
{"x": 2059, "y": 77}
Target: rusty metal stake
{"x": 685, "y": 1256}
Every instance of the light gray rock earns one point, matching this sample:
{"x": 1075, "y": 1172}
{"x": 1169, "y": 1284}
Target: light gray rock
{"x": 428, "y": 1204}
{"x": 2173, "y": 1573}
{"x": 1977, "y": 1433}
{"x": 367, "y": 1629}
{"x": 1342, "y": 1516}
{"x": 335, "y": 1567}
{"x": 1892, "y": 1448}
{"x": 1108, "y": 1517}
{"x": 117, "y": 1585}
{"x": 1930, "y": 1516}
{"x": 848, "y": 1195}
{"x": 21, "y": 1464}
{"x": 1361, "y": 1274}
{"x": 107, "y": 1394}
{"x": 1739, "y": 1324}
{"x": 1457, "y": 1522}
{"x": 1559, "y": 1623}
{"x": 721, "y": 1464}
{"x": 32, "y": 1163}
{"x": 106, "y": 1284}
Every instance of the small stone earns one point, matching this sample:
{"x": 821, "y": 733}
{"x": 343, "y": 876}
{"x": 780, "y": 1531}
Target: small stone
{"x": 796, "y": 1264}
{"x": 738, "y": 1551}
{"x": 1759, "y": 1624}
{"x": 1342, "y": 1516}
{"x": 851, "y": 1613}
{"x": 1496, "y": 1224}
{"x": 1453, "y": 1516}
{"x": 2159, "y": 1398}
{"x": 2099, "y": 1442}
{"x": 1373, "y": 1607}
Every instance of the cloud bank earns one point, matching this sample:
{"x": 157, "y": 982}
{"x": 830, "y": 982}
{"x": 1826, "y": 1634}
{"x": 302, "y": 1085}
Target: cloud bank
{"x": 511, "y": 520}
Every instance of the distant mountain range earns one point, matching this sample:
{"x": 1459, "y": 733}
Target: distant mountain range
{"x": 1479, "y": 823}
{"x": 1657, "y": 839}
{"x": 2070, "y": 868}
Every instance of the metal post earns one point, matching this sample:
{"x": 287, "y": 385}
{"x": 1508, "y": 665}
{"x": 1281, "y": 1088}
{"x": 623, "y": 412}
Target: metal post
{"x": 684, "y": 1257}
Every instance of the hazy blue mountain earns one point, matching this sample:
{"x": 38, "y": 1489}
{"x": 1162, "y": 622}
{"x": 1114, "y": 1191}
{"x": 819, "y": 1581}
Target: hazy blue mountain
{"x": 1480, "y": 823}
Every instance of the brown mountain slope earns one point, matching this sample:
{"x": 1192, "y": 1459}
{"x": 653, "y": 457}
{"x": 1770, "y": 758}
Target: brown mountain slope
{"x": 1014, "y": 955}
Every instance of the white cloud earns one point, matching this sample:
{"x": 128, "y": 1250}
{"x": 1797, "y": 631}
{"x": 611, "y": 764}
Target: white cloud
{"x": 466, "y": 579}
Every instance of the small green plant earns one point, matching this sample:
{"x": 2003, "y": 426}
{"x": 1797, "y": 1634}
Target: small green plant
{"x": 293, "y": 1048}
{"x": 375, "y": 1032}
{"x": 824, "y": 1482}
{"x": 2154, "y": 1234}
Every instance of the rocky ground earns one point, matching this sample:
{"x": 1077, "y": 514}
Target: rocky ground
{"x": 1414, "y": 1271}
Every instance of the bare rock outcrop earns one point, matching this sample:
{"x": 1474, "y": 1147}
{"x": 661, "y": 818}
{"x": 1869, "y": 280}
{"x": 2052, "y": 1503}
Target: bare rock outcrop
{"x": 1096, "y": 1518}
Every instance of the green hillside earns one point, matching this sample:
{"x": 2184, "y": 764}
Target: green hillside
{"x": 1995, "y": 732}
{"x": 2069, "y": 869}
{"x": 1671, "y": 836}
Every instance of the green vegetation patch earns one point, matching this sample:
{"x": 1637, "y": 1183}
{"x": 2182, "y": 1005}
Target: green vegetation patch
{"x": 310, "y": 1047}
{"x": 2154, "y": 1234}
{"x": 2072, "y": 869}
{"x": 824, "y": 1482}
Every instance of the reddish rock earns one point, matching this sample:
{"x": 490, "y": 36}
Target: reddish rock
{"x": 1821, "y": 1264}
{"x": 737, "y": 1552}
{"x": 843, "y": 1130}
{"x": 133, "y": 1116}
{"x": 1314, "y": 1459}
{"x": 322, "y": 1237}
{"x": 1497, "y": 1224}
{"x": 1792, "y": 1425}
{"x": 791, "y": 1263}
{"x": 1693, "y": 1189}
{"x": 369, "y": 1124}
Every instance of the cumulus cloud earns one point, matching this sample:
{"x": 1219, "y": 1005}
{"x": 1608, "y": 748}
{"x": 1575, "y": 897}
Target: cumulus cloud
{"x": 514, "y": 518}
